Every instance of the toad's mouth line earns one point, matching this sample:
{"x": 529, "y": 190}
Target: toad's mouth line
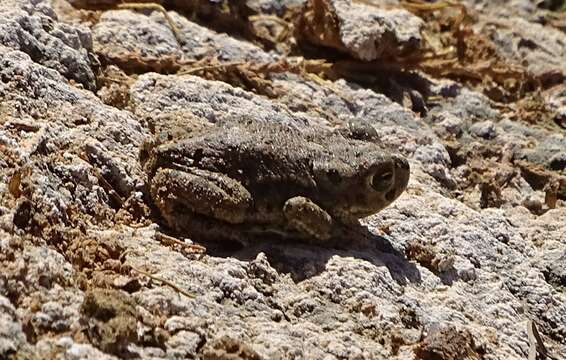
{"x": 346, "y": 213}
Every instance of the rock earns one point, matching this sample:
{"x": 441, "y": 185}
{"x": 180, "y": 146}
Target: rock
{"x": 12, "y": 337}
{"x": 215, "y": 102}
{"x": 184, "y": 344}
{"x": 448, "y": 124}
{"x": 32, "y": 27}
{"x": 228, "y": 348}
{"x": 456, "y": 267}
{"x": 58, "y": 312}
{"x": 551, "y": 266}
{"x": 46, "y": 91}
{"x": 448, "y": 342}
{"x": 536, "y": 45}
{"x": 71, "y": 349}
{"x": 111, "y": 319}
{"x": 278, "y": 7}
{"x": 364, "y": 31}
{"x": 485, "y": 129}
{"x": 142, "y": 43}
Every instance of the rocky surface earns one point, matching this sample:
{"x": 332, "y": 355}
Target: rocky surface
{"x": 33, "y": 29}
{"x": 458, "y": 267}
{"x": 363, "y": 29}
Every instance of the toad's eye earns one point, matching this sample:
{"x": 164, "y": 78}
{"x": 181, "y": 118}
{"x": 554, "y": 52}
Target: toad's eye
{"x": 382, "y": 180}
{"x": 334, "y": 176}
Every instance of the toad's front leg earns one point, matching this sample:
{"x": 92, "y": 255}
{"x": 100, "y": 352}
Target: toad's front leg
{"x": 308, "y": 218}
{"x": 201, "y": 192}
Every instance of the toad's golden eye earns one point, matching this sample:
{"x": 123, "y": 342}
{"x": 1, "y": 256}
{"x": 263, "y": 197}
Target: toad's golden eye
{"x": 382, "y": 180}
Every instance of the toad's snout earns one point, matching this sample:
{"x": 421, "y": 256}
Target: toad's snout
{"x": 402, "y": 173}
{"x": 391, "y": 178}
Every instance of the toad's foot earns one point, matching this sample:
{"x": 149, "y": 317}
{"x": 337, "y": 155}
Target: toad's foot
{"x": 308, "y": 218}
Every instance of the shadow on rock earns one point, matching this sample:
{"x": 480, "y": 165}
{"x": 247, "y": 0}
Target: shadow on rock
{"x": 302, "y": 260}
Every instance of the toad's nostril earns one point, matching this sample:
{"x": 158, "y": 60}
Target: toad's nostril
{"x": 401, "y": 162}
{"x": 402, "y": 173}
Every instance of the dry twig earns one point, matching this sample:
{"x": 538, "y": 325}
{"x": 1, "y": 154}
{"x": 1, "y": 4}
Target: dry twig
{"x": 157, "y": 7}
{"x": 165, "y": 282}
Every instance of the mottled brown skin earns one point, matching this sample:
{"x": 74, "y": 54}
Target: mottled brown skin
{"x": 250, "y": 180}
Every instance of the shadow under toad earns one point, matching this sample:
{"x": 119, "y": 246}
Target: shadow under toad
{"x": 302, "y": 260}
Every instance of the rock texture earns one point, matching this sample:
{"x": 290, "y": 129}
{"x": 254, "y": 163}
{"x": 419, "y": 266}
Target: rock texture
{"x": 363, "y": 29}
{"x": 457, "y": 268}
{"x": 33, "y": 28}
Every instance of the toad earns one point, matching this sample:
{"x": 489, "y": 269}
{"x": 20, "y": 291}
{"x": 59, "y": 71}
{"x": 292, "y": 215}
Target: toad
{"x": 245, "y": 181}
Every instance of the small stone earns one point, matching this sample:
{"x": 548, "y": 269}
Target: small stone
{"x": 485, "y": 129}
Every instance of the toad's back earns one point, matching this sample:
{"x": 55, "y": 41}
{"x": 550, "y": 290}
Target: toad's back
{"x": 261, "y": 155}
